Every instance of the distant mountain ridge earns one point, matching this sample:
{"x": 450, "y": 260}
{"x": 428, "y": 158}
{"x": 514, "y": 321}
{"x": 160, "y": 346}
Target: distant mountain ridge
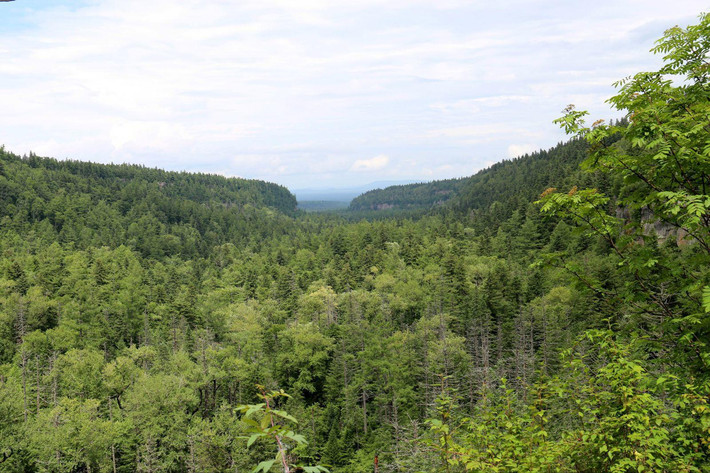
{"x": 409, "y": 196}
{"x": 506, "y": 185}
{"x": 153, "y": 211}
{"x": 342, "y": 194}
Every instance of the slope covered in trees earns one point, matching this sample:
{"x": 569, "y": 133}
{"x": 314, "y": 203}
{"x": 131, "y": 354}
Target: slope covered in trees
{"x": 154, "y": 211}
{"x": 572, "y": 340}
{"x": 492, "y": 194}
{"x": 408, "y": 196}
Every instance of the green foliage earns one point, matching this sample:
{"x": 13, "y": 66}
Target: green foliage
{"x": 155, "y": 212}
{"x": 140, "y": 308}
{"x": 664, "y": 167}
{"x": 487, "y": 198}
{"x": 409, "y": 196}
{"x": 619, "y": 422}
{"x": 264, "y": 421}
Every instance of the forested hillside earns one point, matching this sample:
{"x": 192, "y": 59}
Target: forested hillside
{"x": 149, "y": 321}
{"x": 491, "y": 195}
{"x": 408, "y": 196}
{"x": 155, "y": 212}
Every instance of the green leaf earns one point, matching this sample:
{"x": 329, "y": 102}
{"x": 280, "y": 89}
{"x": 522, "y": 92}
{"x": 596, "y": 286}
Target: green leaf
{"x": 296, "y": 437}
{"x": 264, "y": 466}
{"x": 252, "y": 439}
{"x": 254, "y": 408}
{"x": 252, "y": 423}
{"x": 284, "y": 415}
{"x": 706, "y": 298}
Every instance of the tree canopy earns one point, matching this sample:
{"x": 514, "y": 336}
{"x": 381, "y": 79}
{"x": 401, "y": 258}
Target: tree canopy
{"x": 545, "y": 318}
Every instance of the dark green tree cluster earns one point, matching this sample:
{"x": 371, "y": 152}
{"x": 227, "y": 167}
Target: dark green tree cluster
{"x": 489, "y": 197}
{"x": 357, "y": 321}
{"x": 409, "y": 196}
{"x": 156, "y": 212}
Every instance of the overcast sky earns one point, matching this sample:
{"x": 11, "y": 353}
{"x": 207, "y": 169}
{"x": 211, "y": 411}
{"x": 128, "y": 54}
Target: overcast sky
{"x": 314, "y": 93}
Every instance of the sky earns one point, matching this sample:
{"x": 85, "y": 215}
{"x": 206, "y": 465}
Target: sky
{"x": 314, "y": 93}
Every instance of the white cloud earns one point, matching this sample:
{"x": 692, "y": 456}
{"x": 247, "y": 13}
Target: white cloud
{"x": 473, "y": 131}
{"x": 518, "y": 150}
{"x": 481, "y": 133}
{"x": 372, "y": 164}
{"x": 147, "y": 134}
{"x": 298, "y": 91}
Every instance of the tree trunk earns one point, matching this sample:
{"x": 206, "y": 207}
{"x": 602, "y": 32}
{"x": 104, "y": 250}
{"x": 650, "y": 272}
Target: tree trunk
{"x": 53, "y": 360}
{"x": 37, "y": 382}
{"x": 113, "y": 446}
{"x": 364, "y": 411}
{"x": 24, "y": 383}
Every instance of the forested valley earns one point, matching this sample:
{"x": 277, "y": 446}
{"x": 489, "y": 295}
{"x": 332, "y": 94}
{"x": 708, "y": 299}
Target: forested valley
{"x": 548, "y": 314}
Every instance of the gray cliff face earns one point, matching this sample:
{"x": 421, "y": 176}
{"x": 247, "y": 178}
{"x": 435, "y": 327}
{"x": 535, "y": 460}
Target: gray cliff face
{"x": 651, "y": 225}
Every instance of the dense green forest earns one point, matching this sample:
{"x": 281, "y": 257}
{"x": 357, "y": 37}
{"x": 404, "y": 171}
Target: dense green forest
{"x": 490, "y": 194}
{"x": 408, "y": 196}
{"x": 156, "y": 213}
{"x": 170, "y": 322}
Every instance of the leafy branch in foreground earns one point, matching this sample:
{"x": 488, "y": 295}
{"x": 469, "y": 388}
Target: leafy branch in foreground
{"x": 662, "y": 164}
{"x": 626, "y": 419}
{"x": 263, "y": 420}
